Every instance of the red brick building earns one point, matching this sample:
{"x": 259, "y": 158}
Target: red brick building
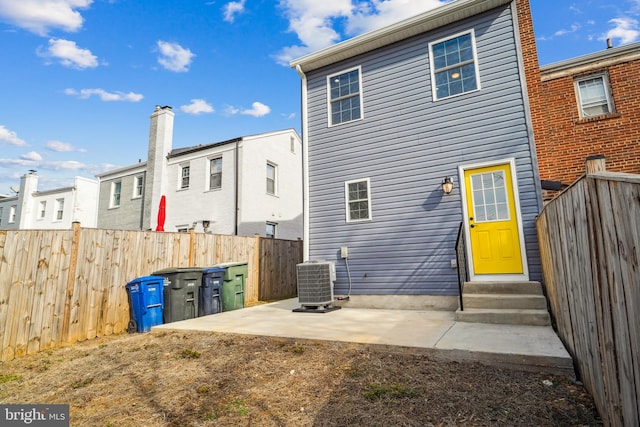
{"x": 588, "y": 105}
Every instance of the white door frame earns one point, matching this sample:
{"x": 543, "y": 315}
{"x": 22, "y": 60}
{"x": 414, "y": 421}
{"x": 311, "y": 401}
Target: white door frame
{"x": 467, "y": 235}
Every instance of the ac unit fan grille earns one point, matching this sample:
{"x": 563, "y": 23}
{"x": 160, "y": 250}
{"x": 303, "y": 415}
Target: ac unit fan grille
{"x": 315, "y": 284}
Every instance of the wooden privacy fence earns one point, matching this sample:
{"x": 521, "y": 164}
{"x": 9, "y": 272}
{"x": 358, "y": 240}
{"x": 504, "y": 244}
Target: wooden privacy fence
{"x": 590, "y": 246}
{"x": 62, "y": 286}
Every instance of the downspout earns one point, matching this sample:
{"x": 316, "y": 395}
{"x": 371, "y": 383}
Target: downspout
{"x": 305, "y": 165}
{"x": 235, "y": 220}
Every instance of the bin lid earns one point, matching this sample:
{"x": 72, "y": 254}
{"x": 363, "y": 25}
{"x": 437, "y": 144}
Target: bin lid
{"x": 174, "y": 270}
{"x": 230, "y": 264}
{"x": 146, "y": 279}
{"x": 213, "y": 270}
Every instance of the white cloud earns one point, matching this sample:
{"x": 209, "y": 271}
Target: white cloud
{"x": 40, "y": 16}
{"x": 104, "y": 95}
{"x": 32, "y": 156}
{"x": 10, "y": 137}
{"x": 626, "y": 29}
{"x": 564, "y": 31}
{"x": 315, "y": 22}
{"x": 174, "y": 57}
{"x": 258, "y": 109}
{"x": 69, "y": 54}
{"x": 62, "y": 147}
{"x": 232, "y": 9}
{"x": 197, "y": 106}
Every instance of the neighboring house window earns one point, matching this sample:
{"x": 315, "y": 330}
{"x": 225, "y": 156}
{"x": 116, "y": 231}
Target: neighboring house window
{"x": 271, "y": 230}
{"x": 1, "y": 214}
{"x": 292, "y": 142}
{"x": 345, "y": 100}
{"x": 138, "y": 187}
{"x": 215, "y": 173}
{"x": 184, "y": 177}
{"x": 42, "y": 210}
{"x": 12, "y": 214}
{"x": 594, "y": 96}
{"x": 454, "y": 68}
{"x": 59, "y": 209}
{"x": 183, "y": 228}
{"x": 358, "y": 200}
{"x": 116, "y": 190}
{"x": 271, "y": 178}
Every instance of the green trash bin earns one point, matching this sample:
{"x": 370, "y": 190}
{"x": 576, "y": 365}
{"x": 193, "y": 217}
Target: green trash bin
{"x": 235, "y": 277}
{"x": 181, "y": 288}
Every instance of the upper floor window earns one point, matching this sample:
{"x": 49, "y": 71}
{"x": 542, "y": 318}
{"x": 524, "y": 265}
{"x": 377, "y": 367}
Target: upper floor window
{"x": 271, "y": 178}
{"x": 215, "y": 173}
{"x": 59, "y": 209}
{"x": 12, "y": 214}
{"x": 184, "y": 176}
{"x": 345, "y": 97}
{"x": 1, "y": 214}
{"x": 138, "y": 188}
{"x": 454, "y": 67}
{"x": 594, "y": 96}
{"x": 116, "y": 190}
{"x": 358, "y": 200}
{"x": 42, "y": 209}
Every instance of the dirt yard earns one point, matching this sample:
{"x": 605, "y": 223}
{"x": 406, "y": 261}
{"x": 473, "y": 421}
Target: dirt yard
{"x": 200, "y": 379}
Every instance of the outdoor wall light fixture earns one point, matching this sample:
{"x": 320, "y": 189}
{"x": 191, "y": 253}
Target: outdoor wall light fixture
{"x": 206, "y": 223}
{"x": 447, "y": 185}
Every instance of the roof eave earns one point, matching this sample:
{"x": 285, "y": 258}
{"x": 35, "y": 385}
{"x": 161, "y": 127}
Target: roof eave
{"x": 435, "y": 18}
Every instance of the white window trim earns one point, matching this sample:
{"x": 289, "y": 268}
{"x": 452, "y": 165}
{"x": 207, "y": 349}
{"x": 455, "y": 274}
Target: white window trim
{"x": 275, "y": 179}
{"x": 180, "y": 177}
{"x": 12, "y": 214}
{"x": 42, "y": 210}
{"x": 135, "y": 187}
{"x": 346, "y": 200}
{"x": 434, "y": 88}
{"x": 329, "y": 115}
{"x": 208, "y": 177}
{"x": 58, "y": 210}
{"x": 112, "y": 193}
{"x": 607, "y": 91}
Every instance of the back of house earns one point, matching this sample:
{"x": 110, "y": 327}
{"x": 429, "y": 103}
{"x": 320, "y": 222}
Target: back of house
{"x": 389, "y": 116}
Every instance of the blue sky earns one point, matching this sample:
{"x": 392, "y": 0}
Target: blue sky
{"x": 80, "y": 78}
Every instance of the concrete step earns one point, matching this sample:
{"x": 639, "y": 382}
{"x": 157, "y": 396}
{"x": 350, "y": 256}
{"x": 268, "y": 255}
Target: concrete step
{"x": 532, "y": 288}
{"x": 504, "y": 301}
{"x": 504, "y": 316}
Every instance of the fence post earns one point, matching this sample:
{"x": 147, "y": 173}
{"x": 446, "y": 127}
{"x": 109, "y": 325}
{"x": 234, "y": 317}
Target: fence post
{"x": 192, "y": 242}
{"x": 595, "y": 164}
{"x": 71, "y": 278}
{"x": 257, "y": 256}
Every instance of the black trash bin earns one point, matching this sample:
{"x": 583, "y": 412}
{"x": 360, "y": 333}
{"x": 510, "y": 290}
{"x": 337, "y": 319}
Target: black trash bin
{"x": 145, "y": 302}
{"x": 209, "y": 297}
{"x": 181, "y": 288}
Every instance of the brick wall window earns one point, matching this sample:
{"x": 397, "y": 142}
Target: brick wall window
{"x": 594, "y": 95}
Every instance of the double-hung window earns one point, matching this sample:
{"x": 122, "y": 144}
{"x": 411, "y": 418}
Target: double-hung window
{"x": 12, "y": 214}
{"x": 116, "y": 191}
{"x": 185, "y": 172}
{"x": 1, "y": 214}
{"x": 345, "y": 96}
{"x": 358, "y": 200}
{"x": 139, "y": 186}
{"x": 270, "y": 231}
{"x": 215, "y": 173}
{"x": 42, "y": 209}
{"x": 59, "y": 209}
{"x": 271, "y": 178}
{"x": 594, "y": 96}
{"x": 454, "y": 68}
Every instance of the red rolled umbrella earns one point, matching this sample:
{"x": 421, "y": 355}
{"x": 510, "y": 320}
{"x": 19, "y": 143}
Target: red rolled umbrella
{"x": 162, "y": 213}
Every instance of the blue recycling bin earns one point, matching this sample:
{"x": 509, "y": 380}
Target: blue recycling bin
{"x": 209, "y": 296}
{"x": 146, "y": 302}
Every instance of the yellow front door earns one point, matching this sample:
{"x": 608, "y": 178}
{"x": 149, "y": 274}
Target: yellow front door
{"x": 493, "y": 222}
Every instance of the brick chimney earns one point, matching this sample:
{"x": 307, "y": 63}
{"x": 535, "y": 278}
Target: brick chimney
{"x": 160, "y": 144}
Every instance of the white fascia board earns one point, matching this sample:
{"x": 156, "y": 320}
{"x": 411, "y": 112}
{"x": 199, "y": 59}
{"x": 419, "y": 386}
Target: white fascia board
{"x": 435, "y": 18}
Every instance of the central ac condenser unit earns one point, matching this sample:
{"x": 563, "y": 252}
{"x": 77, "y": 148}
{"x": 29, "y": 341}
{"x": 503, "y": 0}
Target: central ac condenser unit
{"x": 315, "y": 283}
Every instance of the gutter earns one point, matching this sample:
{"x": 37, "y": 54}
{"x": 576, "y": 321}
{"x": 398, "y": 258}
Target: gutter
{"x": 237, "y": 161}
{"x": 305, "y": 165}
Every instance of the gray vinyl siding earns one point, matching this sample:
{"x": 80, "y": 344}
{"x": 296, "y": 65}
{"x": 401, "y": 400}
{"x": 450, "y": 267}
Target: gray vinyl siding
{"x": 406, "y": 144}
{"x": 128, "y": 216}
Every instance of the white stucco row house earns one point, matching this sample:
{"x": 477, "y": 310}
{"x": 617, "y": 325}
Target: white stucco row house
{"x": 31, "y": 209}
{"x": 244, "y": 186}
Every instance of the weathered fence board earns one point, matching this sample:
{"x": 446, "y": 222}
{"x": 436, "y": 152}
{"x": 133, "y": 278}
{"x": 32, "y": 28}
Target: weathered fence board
{"x": 590, "y": 250}
{"x": 62, "y": 286}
